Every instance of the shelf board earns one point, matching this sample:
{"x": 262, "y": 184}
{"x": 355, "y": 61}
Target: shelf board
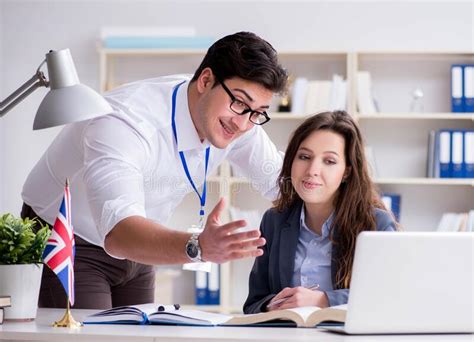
{"x": 214, "y": 179}
{"x": 159, "y": 51}
{"x": 311, "y": 52}
{"x": 417, "y": 116}
{"x": 415, "y": 52}
{"x": 386, "y": 116}
{"x": 151, "y": 52}
{"x": 396, "y": 180}
{"x": 426, "y": 181}
{"x": 287, "y": 116}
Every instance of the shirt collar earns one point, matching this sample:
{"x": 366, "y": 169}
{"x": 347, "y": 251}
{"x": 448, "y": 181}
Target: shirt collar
{"x": 326, "y": 225}
{"x": 188, "y": 138}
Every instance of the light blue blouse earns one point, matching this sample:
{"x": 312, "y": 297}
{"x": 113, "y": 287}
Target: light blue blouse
{"x": 313, "y": 256}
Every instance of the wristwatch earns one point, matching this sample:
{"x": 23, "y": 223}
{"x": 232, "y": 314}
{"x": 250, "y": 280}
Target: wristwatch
{"x": 193, "y": 250}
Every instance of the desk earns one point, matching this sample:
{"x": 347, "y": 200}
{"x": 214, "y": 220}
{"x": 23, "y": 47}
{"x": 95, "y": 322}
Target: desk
{"x": 41, "y": 330}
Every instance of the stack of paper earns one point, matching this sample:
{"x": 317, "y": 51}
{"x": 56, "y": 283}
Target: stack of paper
{"x": 365, "y": 101}
{"x": 315, "y": 96}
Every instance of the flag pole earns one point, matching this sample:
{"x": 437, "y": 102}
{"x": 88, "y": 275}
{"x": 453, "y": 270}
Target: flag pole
{"x": 67, "y": 321}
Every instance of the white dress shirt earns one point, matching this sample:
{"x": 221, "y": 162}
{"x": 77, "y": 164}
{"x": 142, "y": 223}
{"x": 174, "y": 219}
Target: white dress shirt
{"x": 127, "y": 163}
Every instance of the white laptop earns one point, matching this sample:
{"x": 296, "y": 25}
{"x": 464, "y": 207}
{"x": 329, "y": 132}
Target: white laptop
{"x": 411, "y": 283}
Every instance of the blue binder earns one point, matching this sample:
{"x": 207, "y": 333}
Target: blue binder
{"x": 457, "y": 170}
{"x": 469, "y": 154}
{"x": 201, "y": 287}
{"x": 392, "y": 203}
{"x": 457, "y": 77}
{"x": 213, "y": 286}
{"x": 445, "y": 164}
{"x": 468, "y": 88}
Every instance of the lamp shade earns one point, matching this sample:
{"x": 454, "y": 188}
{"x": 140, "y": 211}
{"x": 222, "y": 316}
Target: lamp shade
{"x": 68, "y": 100}
{"x": 70, "y": 104}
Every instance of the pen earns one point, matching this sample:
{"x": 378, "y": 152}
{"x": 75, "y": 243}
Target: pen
{"x": 169, "y": 307}
{"x": 281, "y": 300}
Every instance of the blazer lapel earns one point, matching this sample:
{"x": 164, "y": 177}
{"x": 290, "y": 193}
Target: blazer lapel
{"x": 288, "y": 242}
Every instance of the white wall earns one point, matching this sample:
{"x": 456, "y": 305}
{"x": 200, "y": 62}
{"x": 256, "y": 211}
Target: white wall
{"x": 2, "y": 162}
{"x": 28, "y": 29}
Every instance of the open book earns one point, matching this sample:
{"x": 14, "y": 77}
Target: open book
{"x": 155, "y": 314}
{"x": 309, "y": 316}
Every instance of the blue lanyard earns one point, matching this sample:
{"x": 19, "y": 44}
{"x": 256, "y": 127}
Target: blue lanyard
{"x": 202, "y": 197}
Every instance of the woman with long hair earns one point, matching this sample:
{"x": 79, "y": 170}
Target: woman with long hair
{"x": 326, "y": 198}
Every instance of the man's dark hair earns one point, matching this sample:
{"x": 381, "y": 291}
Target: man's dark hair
{"x": 247, "y": 56}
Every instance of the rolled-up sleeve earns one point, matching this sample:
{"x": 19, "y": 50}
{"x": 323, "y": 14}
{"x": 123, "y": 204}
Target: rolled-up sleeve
{"x": 114, "y": 159}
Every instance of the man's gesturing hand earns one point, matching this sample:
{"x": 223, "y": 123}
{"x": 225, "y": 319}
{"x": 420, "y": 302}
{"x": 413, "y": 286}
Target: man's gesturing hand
{"x": 219, "y": 243}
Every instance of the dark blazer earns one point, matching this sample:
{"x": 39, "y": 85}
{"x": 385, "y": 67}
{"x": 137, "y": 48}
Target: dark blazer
{"x": 273, "y": 271}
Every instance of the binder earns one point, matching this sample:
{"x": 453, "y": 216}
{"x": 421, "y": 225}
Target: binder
{"x": 298, "y": 95}
{"x": 365, "y": 101}
{"x": 201, "y": 287}
{"x": 445, "y": 154}
{"x": 457, "y": 170}
{"x": 468, "y": 87}
{"x": 431, "y": 158}
{"x": 214, "y": 285}
{"x": 469, "y": 154}
{"x": 457, "y": 88}
{"x": 436, "y": 171}
{"x": 392, "y": 203}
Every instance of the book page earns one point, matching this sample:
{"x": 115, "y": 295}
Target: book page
{"x": 193, "y": 317}
{"x": 126, "y": 314}
{"x": 333, "y": 313}
{"x": 304, "y": 311}
{"x": 297, "y": 315}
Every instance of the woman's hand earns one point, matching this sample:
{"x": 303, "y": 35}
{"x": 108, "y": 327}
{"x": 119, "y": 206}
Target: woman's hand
{"x": 293, "y": 297}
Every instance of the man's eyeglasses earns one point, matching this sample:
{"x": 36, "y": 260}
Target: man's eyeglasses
{"x": 241, "y": 108}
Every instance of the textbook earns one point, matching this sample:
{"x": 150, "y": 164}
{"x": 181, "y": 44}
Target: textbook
{"x": 309, "y": 316}
{"x": 156, "y": 314}
{"x": 5, "y": 301}
{"x": 306, "y": 316}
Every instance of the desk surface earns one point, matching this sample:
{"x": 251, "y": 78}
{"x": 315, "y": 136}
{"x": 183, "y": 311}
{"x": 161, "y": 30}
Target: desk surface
{"x": 41, "y": 330}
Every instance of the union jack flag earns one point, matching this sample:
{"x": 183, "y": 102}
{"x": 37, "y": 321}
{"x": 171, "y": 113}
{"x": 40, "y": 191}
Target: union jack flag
{"x": 59, "y": 251}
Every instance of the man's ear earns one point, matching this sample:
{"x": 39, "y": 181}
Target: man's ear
{"x": 205, "y": 80}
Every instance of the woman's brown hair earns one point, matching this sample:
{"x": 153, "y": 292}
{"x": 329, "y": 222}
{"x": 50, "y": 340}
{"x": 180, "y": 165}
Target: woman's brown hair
{"x": 356, "y": 198}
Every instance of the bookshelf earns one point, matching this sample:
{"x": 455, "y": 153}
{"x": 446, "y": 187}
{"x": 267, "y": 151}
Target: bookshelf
{"x": 398, "y": 137}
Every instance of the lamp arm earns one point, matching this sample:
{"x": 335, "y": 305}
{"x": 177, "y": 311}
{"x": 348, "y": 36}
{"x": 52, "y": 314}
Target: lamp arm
{"x": 21, "y": 93}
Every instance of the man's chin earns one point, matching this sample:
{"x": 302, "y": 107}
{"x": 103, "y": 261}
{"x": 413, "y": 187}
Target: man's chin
{"x": 219, "y": 143}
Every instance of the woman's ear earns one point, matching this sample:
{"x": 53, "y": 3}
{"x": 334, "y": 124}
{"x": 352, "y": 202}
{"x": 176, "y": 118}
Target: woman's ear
{"x": 205, "y": 81}
{"x": 347, "y": 173}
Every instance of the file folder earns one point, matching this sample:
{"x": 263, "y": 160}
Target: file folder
{"x": 445, "y": 154}
{"x": 469, "y": 154}
{"x": 468, "y": 84}
{"x": 457, "y": 88}
{"x": 214, "y": 285}
{"x": 201, "y": 287}
{"x": 457, "y": 154}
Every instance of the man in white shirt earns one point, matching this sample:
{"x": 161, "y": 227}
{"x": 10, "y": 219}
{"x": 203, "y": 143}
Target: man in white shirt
{"x": 129, "y": 170}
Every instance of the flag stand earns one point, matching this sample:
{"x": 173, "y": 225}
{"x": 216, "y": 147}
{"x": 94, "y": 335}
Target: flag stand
{"x": 67, "y": 321}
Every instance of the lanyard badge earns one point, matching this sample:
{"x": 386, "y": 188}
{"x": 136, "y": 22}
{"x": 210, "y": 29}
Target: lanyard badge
{"x": 197, "y": 266}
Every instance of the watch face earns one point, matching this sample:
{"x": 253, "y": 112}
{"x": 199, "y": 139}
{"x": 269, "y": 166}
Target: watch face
{"x": 192, "y": 250}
